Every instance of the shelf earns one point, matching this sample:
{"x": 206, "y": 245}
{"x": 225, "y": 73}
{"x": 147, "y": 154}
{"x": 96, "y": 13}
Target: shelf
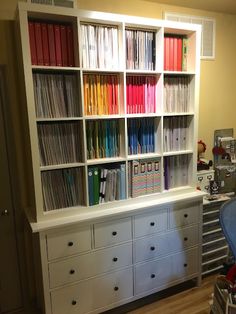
{"x": 59, "y": 119}
{"x": 174, "y": 114}
{"x": 142, "y": 115}
{"x": 105, "y": 160}
{"x": 143, "y": 156}
{"x": 105, "y": 117}
{"x": 62, "y": 166}
{"x": 175, "y": 153}
{"x": 142, "y": 72}
{"x": 102, "y": 71}
{"x": 55, "y": 68}
{"x": 178, "y": 73}
{"x": 177, "y": 189}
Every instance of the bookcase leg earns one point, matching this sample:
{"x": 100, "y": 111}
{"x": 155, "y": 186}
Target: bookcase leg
{"x": 199, "y": 281}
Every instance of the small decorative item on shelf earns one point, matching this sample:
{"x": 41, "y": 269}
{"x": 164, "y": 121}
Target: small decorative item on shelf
{"x": 214, "y": 187}
{"x": 202, "y": 164}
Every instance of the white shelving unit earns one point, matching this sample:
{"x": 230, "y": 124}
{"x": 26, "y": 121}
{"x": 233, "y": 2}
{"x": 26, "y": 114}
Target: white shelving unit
{"x": 181, "y": 126}
{"x": 95, "y": 257}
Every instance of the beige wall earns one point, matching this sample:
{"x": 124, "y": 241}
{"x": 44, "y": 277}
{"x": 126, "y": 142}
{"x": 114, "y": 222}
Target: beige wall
{"x": 218, "y": 84}
{"x": 7, "y": 9}
{"x": 217, "y": 87}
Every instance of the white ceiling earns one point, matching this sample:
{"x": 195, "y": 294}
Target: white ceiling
{"x": 223, "y": 6}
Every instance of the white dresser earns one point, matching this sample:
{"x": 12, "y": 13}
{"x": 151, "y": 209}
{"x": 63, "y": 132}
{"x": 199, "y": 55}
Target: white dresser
{"x": 104, "y": 262}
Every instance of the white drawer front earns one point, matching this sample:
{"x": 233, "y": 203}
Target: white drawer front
{"x": 152, "y": 274}
{"x": 159, "y": 273}
{"x": 93, "y": 294}
{"x": 112, "y": 232}
{"x": 68, "y": 242}
{"x": 160, "y": 245}
{"x": 89, "y": 265}
{"x": 150, "y": 223}
{"x": 184, "y": 264}
{"x": 184, "y": 215}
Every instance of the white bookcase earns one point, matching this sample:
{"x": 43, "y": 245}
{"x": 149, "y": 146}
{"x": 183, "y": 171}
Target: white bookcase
{"x": 67, "y": 142}
{"x": 90, "y": 118}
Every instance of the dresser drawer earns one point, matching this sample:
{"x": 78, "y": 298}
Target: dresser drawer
{"x": 163, "y": 244}
{"x": 68, "y": 242}
{"x": 150, "y": 275}
{"x": 150, "y": 223}
{"x": 158, "y": 273}
{"x": 93, "y": 294}
{"x": 184, "y": 264}
{"x": 89, "y": 265}
{"x": 112, "y": 232}
{"x": 184, "y": 215}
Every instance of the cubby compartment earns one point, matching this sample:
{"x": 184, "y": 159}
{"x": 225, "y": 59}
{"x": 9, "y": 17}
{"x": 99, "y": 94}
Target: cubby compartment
{"x": 53, "y": 40}
{"x": 178, "y": 94}
{"x": 103, "y": 93}
{"x": 57, "y": 94}
{"x": 106, "y": 183}
{"x": 63, "y": 188}
{"x": 60, "y": 142}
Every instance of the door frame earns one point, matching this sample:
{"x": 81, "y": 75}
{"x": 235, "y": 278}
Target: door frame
{"x": 12, "y": 169}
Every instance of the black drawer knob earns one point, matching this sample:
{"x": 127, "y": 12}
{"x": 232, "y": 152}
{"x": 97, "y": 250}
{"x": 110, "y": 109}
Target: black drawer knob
{"x": 153, "y": 276}
{"x": 116, "y": 288}
{"x": 73, "y": 302}
{"x": 152, "y": 223}
{"x": 70, "y": 243}
{"x": 115, "y": 259}
{"x": 152, "y": 248}
{"x": 185, "y": 265}
{"x": 114, "y": 233}
{"x": 185, "y": 215}
{"x": 185, "y": 238}
{"x": 72, "y": 271}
